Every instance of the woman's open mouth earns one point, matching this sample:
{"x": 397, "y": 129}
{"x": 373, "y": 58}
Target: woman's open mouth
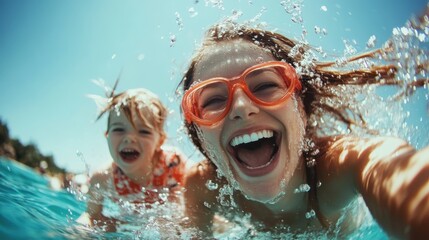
{"x": 129, "y": 155}
{"x": 257, "y": 153}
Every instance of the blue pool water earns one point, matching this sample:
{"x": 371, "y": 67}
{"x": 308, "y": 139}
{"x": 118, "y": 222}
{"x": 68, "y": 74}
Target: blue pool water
{"x": 30, "y": 209}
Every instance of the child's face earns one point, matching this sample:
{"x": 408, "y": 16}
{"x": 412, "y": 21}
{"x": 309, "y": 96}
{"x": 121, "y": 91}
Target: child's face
{"x": 256, "y": 146}
{"x": 131, "y": 148}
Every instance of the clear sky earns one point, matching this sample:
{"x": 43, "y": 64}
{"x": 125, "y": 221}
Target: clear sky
{"x": 50, "y": 51}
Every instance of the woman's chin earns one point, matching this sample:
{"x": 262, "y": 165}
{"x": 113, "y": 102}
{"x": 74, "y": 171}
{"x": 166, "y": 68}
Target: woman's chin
{"x": 264, "y": 193}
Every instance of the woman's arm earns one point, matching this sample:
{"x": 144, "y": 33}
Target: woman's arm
{"x": 391, "y": 175}
{"x": 394, "y": 180}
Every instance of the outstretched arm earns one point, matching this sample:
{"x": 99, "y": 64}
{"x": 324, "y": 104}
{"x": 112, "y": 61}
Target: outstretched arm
{"x": 394, "y": 181}
{"x": 391, "y": 175}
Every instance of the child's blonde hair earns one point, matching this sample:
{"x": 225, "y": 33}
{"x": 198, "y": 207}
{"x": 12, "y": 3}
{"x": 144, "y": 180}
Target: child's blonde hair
{"x": 138, "y": 102}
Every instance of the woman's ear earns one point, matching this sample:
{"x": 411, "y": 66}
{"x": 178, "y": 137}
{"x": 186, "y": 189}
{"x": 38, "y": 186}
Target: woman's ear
{"x": 106, "y": 134}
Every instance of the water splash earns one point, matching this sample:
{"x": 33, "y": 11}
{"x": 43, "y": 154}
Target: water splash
{"x": 211, "y": 185}
{"x": 302, "y": 188}
{"x": 294, "y": 8}
{"x": 371, "y": 42}
{"x": 320, "y": 31}
{"x": 192, "y": 12}
{"x": 173, "y": 39}
{"x": 310, "y": 214}
{"x": 179, "y": 21}
{"x": 215, "y": 3}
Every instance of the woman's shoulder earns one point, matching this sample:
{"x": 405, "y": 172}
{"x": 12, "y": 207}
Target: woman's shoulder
{"x": 200, "y": 173}
{"x": 202, "y": 184}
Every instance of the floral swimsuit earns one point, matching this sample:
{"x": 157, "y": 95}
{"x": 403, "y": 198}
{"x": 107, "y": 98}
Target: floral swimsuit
{"x": 168, "y": 173}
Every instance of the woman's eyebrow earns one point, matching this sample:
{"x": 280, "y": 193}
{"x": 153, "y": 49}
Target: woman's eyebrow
{"x": 262, "y": 71}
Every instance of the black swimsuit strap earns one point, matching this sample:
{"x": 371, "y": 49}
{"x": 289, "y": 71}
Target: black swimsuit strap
{"x": 313, "y": 203}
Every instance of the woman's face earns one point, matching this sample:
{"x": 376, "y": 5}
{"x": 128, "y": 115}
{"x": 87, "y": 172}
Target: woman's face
{"x": 258, "y": 148}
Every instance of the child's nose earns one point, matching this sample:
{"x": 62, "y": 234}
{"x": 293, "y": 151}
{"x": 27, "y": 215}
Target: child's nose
{"x": 129, "y": 138}
{"x": 242, "y": 106}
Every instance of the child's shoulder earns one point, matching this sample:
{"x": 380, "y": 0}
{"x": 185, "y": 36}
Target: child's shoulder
{"x": 101, "y": 178}
{"x": 174, "y": 154}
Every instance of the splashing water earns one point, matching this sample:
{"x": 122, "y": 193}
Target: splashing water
{"x": 371, "y": 42}
{"x": 211, "y": 185}
{"x": 179, "y": 21}
{"x": 294, "y": 8}
{"x": 192, "y": 12}
{"x": 215, "y": 3}
{"x": 31, "y": 210}
{"x": 173, "y": 39}
{"x": 302, "y": 188}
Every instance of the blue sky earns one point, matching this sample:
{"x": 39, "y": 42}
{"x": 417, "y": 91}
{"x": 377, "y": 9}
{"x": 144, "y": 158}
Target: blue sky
{"x": 51, "y": 50}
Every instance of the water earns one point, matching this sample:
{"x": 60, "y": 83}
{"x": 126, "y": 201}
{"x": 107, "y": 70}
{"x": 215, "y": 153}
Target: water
{"x": 31, "y": 209}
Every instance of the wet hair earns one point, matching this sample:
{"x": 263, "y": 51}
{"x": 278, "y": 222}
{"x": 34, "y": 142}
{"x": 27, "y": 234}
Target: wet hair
{"x": 138, "y": 102}
{"x": 326, "y": 85}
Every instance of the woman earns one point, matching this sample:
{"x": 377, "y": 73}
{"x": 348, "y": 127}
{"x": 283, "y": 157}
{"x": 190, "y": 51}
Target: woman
{"x": 259, "y": 124}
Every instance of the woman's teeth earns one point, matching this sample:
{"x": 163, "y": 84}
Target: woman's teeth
{"x": 253, "y": 137}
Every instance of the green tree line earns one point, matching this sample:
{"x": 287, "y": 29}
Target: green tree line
{"x": 27, "y": 154}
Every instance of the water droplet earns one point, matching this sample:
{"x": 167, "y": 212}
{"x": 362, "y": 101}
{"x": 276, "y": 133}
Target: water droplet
{"x": 211, "y": 185}
{"x": 192, "y": 12}
{"x": 208, "y": 205}
{"x": 310, "y": 214}
{"x": 172, "y": 40}
{"x": 179, "y": 21}
{"x": 371, "y": 42}
{"x": 302, "y": 188}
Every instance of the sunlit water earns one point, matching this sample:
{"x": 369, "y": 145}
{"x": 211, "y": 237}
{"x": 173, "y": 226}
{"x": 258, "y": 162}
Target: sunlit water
{"x": 30, "y": 209}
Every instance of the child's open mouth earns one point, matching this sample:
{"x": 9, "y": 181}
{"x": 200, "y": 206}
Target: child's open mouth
{"x": 256, "y": 153}
{"x": 129, "y": 155}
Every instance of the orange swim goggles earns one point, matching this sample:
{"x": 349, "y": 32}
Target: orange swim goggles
{"x": 267, "y": 84}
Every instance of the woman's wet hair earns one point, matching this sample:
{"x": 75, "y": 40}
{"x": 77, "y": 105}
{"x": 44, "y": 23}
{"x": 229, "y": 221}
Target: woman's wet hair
{"x": 325, "y": 84}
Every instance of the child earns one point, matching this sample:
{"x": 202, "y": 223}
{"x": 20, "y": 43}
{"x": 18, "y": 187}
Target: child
{"x": 260, "y": 125}
{"x": 141, "y": 166}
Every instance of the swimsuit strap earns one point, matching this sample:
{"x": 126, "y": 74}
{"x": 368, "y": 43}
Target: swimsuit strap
{"x": 313, "y": 203}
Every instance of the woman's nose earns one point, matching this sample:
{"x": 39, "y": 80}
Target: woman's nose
{"x": 242, "y": 106}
